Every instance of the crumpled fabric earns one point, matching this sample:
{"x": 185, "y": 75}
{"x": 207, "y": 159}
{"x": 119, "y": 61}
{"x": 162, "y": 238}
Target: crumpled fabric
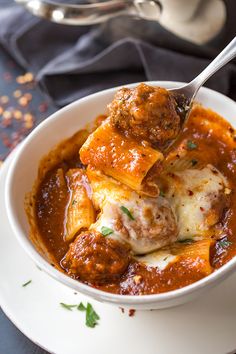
{"x": 70, "y": 62}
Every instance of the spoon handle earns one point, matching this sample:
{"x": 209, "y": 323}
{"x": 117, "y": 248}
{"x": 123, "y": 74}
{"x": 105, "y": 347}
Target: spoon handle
{"x": 223, "y": 58}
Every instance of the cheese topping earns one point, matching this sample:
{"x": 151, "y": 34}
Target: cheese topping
{"x": 197, "y": 198}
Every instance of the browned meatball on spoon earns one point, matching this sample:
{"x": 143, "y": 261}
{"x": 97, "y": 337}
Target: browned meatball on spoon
{"x": 147, "y": 114}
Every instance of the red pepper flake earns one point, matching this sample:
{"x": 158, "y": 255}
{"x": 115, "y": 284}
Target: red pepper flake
{"x": 20, "y": 79}
{"x": 5, "y": 140}
{"x": 17, "y": 93}
{"x": 7, "y": 115}
{"x": 15, "y": 136}
{"x": 29, "y": 125}
{"x": 23, "y": 101}
{"x": 28, "y": 118}
{"x": 43, "y": 107}
{"x": 190, "y": 193}
{"x": 28, "y": 96}
{"x": 132, "y": 312}
{"x": 29, "y": 77}
{"x": 202, "y": 209}
{"x": 17, "y": 114}
{"x": 172, "y": 175}
{"x": 122, "y": 309}
{"x": 6, "y": 123}
{"x": 4, "y": 99}
{"x": 24, "y": 79}
{"x": 15, "y": 143}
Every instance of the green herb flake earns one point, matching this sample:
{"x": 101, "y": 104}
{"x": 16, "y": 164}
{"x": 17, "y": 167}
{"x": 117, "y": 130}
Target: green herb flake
{"x": 194, "y": 162}
{"x": 91, "y": 316}
{"x": 162, "y": 194}
{"x": 224, "y": 243}
{"x": 74, "y": 202}
{"x": 187, "y": 241}
{"x": 67, "y": 307}
{"x": 127, "y": 212}
{"x": 191, "y": 145}
{"x": 27, "y": 283}
{"x": 106, "y": 231}
{"x": 81, "y": 307}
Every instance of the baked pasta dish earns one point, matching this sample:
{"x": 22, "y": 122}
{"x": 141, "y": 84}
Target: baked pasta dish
{"x": 115, "y": 208}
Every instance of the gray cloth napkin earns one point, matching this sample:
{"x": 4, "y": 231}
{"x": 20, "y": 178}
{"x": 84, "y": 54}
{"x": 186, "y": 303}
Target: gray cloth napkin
{"x": 70, "y": 62}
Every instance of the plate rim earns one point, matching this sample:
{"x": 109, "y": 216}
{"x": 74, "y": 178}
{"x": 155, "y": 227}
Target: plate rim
{"x": 3, "y": 306}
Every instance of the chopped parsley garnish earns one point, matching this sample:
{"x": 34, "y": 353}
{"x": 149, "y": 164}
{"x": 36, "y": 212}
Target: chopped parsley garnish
{"x": 106, "y": 231}
{"x": 191, "y": 145}
{"x": 27, "y": 283}
{"x": 194, "y": 162}
{"x": 187, "y": 241}
{"x": 81, "y": 307}
{"x": 91, "y": 316}
{"x": 224, "y": 243}
{"x": 68, "y": 307}
{"x": 127, "y": 212}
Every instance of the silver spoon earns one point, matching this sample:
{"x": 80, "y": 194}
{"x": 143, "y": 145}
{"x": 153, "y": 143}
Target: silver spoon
{"x": 185, "y": 95}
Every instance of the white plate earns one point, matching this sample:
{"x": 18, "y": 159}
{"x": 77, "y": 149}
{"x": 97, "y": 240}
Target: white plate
{"x": 205, "y": 326}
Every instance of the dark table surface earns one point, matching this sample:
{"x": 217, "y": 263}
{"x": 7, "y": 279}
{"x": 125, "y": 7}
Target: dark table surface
{"x": 22, "y": 107}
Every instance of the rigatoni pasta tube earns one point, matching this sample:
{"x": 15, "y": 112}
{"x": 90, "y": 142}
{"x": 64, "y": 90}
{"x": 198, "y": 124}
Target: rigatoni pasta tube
{"x": 197, "y": 252}
{"x": 118, "y": 156}
{"x": 80, "y": 212}
{"x": 105, "y": 187}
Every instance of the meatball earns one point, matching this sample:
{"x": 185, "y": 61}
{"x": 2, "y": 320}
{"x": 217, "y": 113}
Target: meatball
{"x": 146, "y": 113}
{"x": 146, "y": 224}
{"x": 96, "y": 259}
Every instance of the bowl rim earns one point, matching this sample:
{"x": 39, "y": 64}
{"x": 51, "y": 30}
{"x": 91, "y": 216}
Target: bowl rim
{"x": 23, "y": 239}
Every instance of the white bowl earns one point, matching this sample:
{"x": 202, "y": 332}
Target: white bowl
{"x": 23, "y": 172}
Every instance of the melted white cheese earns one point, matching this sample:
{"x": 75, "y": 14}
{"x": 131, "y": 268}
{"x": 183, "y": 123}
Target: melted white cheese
{"x": 192, "y": 194}
{"x": 159, "y": 259}
{"x": 152, "y": 226}
{"x": 187, "y": 211}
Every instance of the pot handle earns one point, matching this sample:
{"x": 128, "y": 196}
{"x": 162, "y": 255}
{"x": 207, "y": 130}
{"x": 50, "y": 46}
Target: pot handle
{"x": 91, "y": 14}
